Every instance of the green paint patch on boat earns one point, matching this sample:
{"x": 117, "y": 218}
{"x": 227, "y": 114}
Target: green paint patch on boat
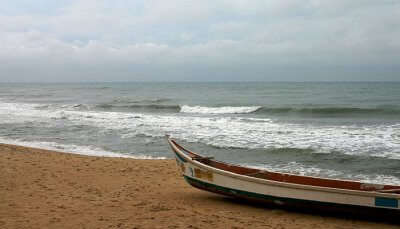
{"x": 180, "y": 157}
{"x": 236, "y": 192}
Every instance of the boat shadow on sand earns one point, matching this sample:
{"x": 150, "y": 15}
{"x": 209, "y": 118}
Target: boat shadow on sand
{"x": 386, "y": 216}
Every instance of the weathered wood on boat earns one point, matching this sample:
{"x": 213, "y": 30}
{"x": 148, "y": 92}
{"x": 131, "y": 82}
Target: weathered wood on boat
{"x": 281, "y": 188}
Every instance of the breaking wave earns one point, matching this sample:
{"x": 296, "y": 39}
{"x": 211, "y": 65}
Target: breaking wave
{"x": 149, "y": 107}
{"x": 389, "y": 110}
{"x": 181, "y": 109}
{"x": 219, "y": 110}
{"x": 128, "y": 101}
{"x": 142, "y": 105}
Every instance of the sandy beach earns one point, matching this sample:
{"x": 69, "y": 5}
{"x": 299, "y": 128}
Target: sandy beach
{"x": 46, "y": 189}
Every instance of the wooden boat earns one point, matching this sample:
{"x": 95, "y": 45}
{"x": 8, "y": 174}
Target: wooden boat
{"x": 281, "y": 188}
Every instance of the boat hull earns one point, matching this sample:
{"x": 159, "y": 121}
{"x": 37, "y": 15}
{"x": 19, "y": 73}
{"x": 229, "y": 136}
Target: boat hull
{"x": 382, "y": 214}
{"x": 222, "y": 182}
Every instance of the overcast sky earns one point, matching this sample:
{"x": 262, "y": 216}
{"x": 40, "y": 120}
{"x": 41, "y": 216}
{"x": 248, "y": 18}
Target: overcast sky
{"x": 199, "y": 40}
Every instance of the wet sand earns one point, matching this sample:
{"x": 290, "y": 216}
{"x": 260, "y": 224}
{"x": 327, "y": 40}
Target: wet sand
{"x": 46, "y": 189}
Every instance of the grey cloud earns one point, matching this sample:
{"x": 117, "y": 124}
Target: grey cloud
{"x": 201, "y": 40}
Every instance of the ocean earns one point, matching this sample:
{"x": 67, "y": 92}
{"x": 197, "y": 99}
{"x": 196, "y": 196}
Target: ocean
{"x": 338, "y": 130}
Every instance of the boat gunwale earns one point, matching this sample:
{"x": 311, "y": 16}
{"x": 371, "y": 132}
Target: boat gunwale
{"x": 176, "y": 147}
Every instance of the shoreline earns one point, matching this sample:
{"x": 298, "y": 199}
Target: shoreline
{"x": 49, "y": 189}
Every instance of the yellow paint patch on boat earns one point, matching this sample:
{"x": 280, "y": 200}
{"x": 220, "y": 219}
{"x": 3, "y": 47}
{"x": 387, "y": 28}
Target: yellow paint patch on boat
{"x": 205, "y": 175}
{"x": 182, "y": 167}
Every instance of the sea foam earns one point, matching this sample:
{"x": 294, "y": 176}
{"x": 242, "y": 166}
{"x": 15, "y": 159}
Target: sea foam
{"x": 378, "y": 140}
{"x": 219, "y": 110}
{"x": 304, "y": 170}
{"x": 75, "y": 149}
{"x": 368, "y": 141}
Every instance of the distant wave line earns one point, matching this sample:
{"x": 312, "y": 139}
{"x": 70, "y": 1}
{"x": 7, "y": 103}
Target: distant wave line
{"x": 196, "y": 109}
{"x": 330, "y": 110}
{"x": 140, "y": 106}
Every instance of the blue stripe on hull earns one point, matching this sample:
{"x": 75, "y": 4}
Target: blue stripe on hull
{"x": 386, "y": 202}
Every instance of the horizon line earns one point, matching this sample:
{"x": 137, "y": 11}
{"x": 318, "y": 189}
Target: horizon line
{"x": 205, "y": 81}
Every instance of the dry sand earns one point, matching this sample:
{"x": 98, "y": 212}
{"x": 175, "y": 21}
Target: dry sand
{"x": 45, "y": 189}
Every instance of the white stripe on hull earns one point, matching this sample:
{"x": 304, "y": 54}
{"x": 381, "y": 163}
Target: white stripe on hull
{"x": 281, "y": 191}
{"x": 284, "y": 192}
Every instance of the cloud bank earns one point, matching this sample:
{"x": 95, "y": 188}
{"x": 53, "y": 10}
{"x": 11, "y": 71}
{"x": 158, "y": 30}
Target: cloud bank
{"x": 155, "y": 40}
